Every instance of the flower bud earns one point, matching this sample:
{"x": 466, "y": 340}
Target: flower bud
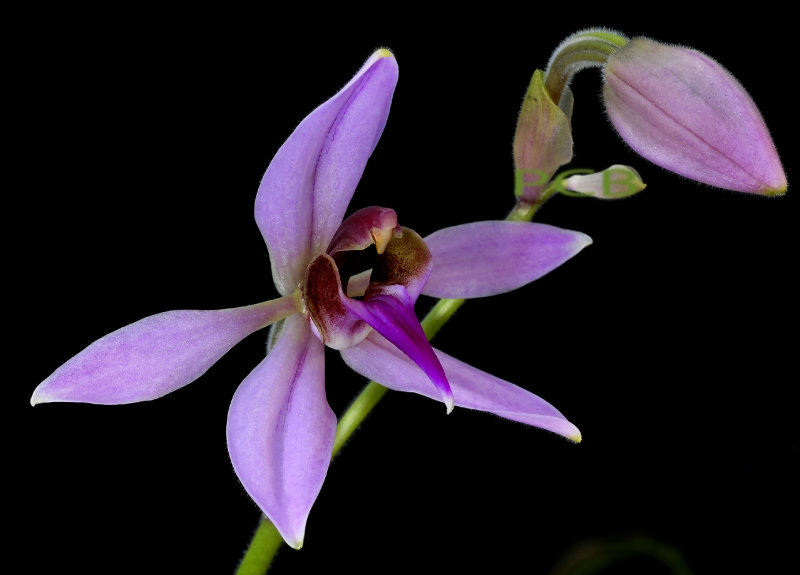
{"x": 684, "y": 112}
{"x": 612, "y": 183}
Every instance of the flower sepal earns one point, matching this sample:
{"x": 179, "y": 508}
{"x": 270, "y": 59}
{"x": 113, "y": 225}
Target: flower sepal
{"x": 542, "y": 141}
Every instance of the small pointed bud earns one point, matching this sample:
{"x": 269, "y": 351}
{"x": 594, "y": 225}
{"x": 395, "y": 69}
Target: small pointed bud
{"x": 612, "y": 183}
{"x": 543, "y": 140}
{"x": 684, "y": 112}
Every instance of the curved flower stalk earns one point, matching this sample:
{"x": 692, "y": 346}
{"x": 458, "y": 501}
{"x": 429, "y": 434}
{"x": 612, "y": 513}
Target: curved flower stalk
{"x": 351, "y": 285}
{"x": 543, "y": 137}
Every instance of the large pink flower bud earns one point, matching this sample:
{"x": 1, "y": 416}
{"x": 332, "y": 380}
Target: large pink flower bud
{"x": 683, "y": 111}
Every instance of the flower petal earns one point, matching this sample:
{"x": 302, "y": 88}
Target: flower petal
{"x": 306, "y": 189}
{"x": 281, "y": 429}
{"x": 363, "y": 228}
{"x": 406, "y": 261}
{"x": 327, "y": 305}
{"x": 358, "y": 284}
{"x": 487, "y": 258}
{"x": 379, "y": 360}
{"x": 684, "y": 112}
{"x": 157, "y": 354}
{"x": 389, "y": 310}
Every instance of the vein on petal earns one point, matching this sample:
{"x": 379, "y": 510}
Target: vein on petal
{"x": 281, "y": 424}
{"x": 328, "y": 141}
{"x": 685, "y": 127}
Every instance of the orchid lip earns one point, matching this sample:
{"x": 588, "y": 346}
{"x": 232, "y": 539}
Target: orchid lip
{"x": 401, "y": 268}
{"x": 326, "y": 306}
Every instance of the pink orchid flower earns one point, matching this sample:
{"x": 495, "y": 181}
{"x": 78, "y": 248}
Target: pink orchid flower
{"x": 350, "y": 284}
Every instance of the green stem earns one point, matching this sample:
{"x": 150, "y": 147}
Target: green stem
{"x": 267, "y": 541}
{"x": 265, "y": 544}
{"x": 439, "y": 315}
{"x": 524, "y": 210}
{"x": 355, "y": 414}
{"x": 590, "y": 48}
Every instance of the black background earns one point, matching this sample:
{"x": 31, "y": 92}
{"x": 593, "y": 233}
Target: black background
{"x": 670, "y": 341}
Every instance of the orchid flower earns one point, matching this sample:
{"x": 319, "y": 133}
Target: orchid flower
{"x": 350, "y": 284}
